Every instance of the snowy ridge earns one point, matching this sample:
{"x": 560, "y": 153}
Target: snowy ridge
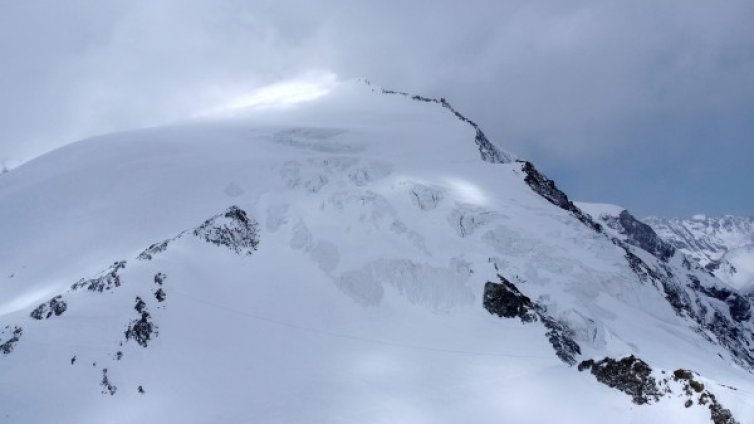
{"x": 373, "y": 270}
{"x": 488, "y": 151}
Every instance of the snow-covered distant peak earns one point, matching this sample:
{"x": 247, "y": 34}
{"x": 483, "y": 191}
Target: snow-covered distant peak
{"x": 704, "y": 237}
{"x": 721, "y": 244}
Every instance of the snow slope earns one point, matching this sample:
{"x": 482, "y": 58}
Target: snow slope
{"x": 725, "y": 245}
{"x": 348, "y": 282}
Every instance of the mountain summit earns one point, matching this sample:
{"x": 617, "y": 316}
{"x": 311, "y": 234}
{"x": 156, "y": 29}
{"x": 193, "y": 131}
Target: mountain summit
{"x": 366, "y": 256}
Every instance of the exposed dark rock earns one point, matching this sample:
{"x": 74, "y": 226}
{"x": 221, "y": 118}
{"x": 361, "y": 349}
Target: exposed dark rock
{"x": 232, "y": 229}
{"x": 738, "y": 306}
{"x": 736, "y": 339}
{"x": 720, "y": 415}
{"x": 142, "y": 330}
{"x": 140, "y": 389}
{"x": 505, "y": 300}
{"x": 159, "y": 278}
{"x": 712, "y": 266}
{"x": 640, "y": 268}
{"x": 681, "y": 374}
{"x": 719, "y": 293}
{"x": 691, "y": 387}
{"x": 546, "y": 188}
{"x": 153, "y": 250}
{"x": 55, "y": 306}
{"x": 686, "y": 264}
{"x": 630, "y": 375}
{"x": 9, "y": 344}
{"x": 731, "y": 333}
{"x": 160, "y": 295}
{"x": 140, "y": 306}
{"x": 107, "y": 386}
{"x": 634, "y": 377}
{"x": 73, "y": 359}
{"x": 561, "y": 339}
{"x": 643, "y": 236}
{"x": 107, "y": 281}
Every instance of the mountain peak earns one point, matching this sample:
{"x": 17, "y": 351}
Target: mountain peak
{"x": 379, "y": 247}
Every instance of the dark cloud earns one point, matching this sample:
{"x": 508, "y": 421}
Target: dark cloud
{"x": 641, "y": 103}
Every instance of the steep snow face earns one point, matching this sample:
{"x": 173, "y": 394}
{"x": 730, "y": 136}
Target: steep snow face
{"x": 723, "y": 245}
{"x": 354, "y": 259}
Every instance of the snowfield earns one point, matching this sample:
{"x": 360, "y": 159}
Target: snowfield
{"x": 326, "y": 262}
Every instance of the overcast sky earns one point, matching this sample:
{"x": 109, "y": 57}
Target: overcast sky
{"x": 647, "y": 104}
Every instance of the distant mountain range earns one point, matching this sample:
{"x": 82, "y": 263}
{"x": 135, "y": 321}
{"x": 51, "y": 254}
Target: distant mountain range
{"x": 723, "y": 245}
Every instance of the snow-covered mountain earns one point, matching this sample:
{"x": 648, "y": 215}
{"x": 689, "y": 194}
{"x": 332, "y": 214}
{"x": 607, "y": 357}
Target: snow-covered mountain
{"x": 368, "y": 256}
{"x": 724, "y": 245}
